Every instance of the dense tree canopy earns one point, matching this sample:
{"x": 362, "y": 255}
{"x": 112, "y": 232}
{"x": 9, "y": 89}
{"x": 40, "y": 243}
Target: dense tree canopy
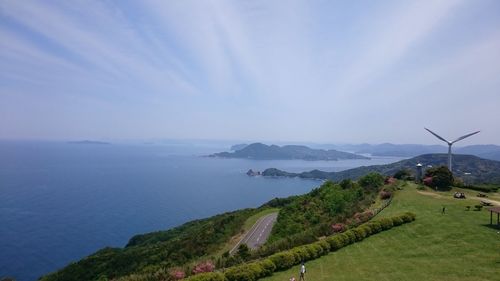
{"x": 442, "y": 178}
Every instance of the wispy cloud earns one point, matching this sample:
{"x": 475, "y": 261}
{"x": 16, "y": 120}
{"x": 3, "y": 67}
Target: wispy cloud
{"x": 208, "y": 69}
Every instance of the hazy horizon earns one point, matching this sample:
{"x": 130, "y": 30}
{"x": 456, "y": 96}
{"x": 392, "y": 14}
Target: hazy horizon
{"x": 227, "y": 142}
{"x": 321, "y": 72}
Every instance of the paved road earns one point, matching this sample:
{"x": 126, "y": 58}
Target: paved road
{"x": 259, "y": 232}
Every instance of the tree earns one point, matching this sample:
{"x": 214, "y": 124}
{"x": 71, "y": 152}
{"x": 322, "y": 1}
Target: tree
{"x": 442, "y": 178}
{"x": 347, "y": 183}
{"x": 243, "y": 251}
{"x": 373, "y": 180}
{"x": 402, "y": 174}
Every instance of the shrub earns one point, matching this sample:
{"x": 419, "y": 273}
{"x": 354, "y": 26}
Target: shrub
{"x": 360, "y": 233}
{"x": 402, "y": 174}
{"x": 407, "y": 217}
{"x": 202, "y": 267}
{"x": 324, "y": 245}
{"x": 390, "y": 181}
{"x": 283, "y": 260}
{"x": 338, "y": 227}
{"x": 350, "y": 237}
{"x": 267, "y": 267}
{"x": 386, "y": 223}
{"x": 482, "y": 188}
{"x": 375, "y": 226}
{"x": 366, "y": 229}
{"x": 335, "y": 242}
{"x": 244, "y": 272}
{"x": 347, "y": 183}
{"x": 300, "y": 253}
{"x": 371, "y": 180}
{"x": 177, "y": 274}
{"x": 208, "y": 276}
{"x": 428, "y": 181}
{"x": 318, "y": 249}
{"x": 397, "y": 221}
{"x": 411, "y": 215}
{"x": 313, "y": 251}
{"x": 385, "y": 194}
{"x": 243, "y": 251}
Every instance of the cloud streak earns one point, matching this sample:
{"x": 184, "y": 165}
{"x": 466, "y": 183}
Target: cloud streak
{"x": 247, "y": 70}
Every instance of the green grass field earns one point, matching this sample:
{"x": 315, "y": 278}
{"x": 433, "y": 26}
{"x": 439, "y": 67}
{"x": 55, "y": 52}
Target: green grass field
{"x": 458, "y": 245}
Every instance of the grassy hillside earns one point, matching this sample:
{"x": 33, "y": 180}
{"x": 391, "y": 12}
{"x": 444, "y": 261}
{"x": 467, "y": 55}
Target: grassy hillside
{"x": 457, "y": 245}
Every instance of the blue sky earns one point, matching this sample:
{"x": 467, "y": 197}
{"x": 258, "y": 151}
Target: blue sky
{"x": 318, "y": 71}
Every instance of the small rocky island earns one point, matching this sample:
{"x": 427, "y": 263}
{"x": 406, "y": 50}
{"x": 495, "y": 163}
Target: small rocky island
{"x": 253, "y": 173}
{"x": 260, "y": 151}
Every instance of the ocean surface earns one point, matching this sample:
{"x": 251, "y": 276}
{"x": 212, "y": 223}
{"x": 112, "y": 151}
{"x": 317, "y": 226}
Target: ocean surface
{"x": 61, "y": 201}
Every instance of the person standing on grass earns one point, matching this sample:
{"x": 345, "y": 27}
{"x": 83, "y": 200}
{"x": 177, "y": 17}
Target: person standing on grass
{"x": 444, "y": 210}
{"x": 302, "y": 272}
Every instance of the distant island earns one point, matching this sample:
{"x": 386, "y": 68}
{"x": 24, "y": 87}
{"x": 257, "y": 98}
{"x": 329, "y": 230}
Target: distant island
{"x": 468, "y": 167}
{"x": 261, "y": 151}
{"x": 89, "y": 142}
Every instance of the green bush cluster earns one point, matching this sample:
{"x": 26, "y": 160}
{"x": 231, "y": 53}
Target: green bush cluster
{"x": 250, "y": 271}
{"x": 317, "y": 210}
{"x": 482, "y": 188}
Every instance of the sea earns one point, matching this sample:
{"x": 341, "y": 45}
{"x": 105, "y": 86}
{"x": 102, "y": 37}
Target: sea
{"x": 60, "y": 201}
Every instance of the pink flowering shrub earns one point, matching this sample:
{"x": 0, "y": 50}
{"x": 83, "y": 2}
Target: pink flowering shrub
{"x": 177, "y": 274}
{"x": 390, "y": 181}
{"x": 385, "y": 194}
{"x": 362, "y": 217}
{"x": 428, "y": 181}
{"x": 206, "y": 266}
{"x": 338, "y": 227}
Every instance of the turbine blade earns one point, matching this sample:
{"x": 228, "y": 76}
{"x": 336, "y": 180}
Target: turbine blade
{"x": 466, "y": 136}
{"x": 437, "y": 136}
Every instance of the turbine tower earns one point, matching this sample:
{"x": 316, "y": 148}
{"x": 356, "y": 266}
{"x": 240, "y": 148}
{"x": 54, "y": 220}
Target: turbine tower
{"x": 450, "y": 143}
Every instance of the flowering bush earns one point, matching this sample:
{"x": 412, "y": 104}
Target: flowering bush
{"x": 177, "y": 274}
{"x": 385, "y": 194}
{"x": 363, "y": 217}
{"x": 390, "y": 180}
{"x": 338, "y": 227}
{"x": 428, "y": 181}
{"x": 206, "y": 266}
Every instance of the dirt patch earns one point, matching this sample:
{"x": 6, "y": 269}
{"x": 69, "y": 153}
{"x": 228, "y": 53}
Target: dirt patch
{"x": 430, "y": 194}
{"x": 494, "y": 202}
{"x": 435, "y": 195}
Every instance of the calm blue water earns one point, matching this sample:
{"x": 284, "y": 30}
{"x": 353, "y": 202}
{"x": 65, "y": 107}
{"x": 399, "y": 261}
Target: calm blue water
{"x": 60, "y": 202}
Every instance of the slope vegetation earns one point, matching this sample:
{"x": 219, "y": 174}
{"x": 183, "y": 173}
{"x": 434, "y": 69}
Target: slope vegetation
{"x": 457, "y": 245}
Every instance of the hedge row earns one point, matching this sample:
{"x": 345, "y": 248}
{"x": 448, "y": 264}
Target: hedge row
{"x": 286, "y": 259}
{"x": 482, "y": 188}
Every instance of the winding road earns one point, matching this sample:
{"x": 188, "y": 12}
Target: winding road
{"x": 259, "y": 232}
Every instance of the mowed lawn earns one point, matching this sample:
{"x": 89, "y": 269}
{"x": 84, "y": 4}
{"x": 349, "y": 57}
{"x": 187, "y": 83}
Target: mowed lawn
{"x": 455, "y": 246}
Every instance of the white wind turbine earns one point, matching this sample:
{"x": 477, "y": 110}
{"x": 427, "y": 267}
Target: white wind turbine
{"x": 450, "y": 143}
